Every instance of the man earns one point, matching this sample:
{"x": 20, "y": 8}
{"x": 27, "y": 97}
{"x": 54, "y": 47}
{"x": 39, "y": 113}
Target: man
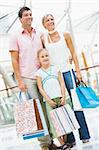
{"x": 23, "y": 49}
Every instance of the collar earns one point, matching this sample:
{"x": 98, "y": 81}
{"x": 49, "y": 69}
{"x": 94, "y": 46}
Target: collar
{"x": 22, "y": 30}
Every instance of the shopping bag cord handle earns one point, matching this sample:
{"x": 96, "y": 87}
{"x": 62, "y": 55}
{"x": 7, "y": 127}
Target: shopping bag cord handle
{"x": 78, "y": 83}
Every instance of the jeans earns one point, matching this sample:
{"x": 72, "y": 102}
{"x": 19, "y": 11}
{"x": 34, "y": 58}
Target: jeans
{"x": 83, "y": 131}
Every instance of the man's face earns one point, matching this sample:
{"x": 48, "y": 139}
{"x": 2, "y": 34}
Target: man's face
{"x": 27, "y": 18}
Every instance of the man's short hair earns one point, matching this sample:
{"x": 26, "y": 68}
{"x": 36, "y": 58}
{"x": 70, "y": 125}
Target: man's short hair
{"x": 22, "y": 10}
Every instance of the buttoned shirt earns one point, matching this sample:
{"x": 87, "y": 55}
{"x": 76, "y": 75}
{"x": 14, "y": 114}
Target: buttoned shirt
{"x": 27, "y": 46}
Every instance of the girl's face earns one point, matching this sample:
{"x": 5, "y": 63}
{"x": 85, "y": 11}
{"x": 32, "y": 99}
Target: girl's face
{"x": 49, "y": 23}
{"x": 44, "y": 58}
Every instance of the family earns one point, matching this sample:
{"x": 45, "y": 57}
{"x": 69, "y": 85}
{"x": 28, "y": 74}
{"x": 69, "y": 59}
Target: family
{"x": 40, "y": 64}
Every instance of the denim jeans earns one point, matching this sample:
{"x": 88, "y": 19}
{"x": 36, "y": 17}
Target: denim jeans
{"x": 83, "y": 131}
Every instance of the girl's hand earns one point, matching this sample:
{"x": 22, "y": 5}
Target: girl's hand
{"x": 62, "y": 101}
{"x": 52, "y": 103}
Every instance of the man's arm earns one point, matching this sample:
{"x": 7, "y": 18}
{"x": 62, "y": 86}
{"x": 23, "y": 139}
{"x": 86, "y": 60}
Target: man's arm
{"x": 15, "y": 64}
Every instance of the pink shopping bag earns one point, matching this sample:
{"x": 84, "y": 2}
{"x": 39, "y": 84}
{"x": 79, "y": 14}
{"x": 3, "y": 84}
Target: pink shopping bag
{"x": 64, "y": 120}
{"x": 29, "y": 118}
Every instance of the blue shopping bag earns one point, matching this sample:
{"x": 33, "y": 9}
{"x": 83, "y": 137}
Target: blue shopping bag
{"x": 34, "y": 135}
{"x": 87, "y": 96}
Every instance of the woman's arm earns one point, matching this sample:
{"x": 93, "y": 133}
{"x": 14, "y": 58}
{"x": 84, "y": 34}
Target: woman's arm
{"x": 43, "y": 93}
{"x": 70, "y": 45}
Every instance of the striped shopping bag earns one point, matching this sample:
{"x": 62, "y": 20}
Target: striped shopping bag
{"x": 64, "y": 120}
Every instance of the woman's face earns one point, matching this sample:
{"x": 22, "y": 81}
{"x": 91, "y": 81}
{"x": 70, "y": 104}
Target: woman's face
{"x": 49, "y": 23}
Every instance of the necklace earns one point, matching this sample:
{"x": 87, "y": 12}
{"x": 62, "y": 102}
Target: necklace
{"x": 51, "y": 32}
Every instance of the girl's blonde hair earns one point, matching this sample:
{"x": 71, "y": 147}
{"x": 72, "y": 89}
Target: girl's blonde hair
{"x": 39, "y": 51}
{"x": 45, "y": 17}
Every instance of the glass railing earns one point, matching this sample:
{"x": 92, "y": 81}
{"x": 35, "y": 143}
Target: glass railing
{"x": 7, "y": 110}
{"x": 8, "y": 99}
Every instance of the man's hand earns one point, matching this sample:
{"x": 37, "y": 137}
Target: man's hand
{"x": 22, "y": 86}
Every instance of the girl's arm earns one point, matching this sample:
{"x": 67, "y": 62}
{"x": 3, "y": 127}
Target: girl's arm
{"x": 73, "y": 53}
{"x": 43, "y": 93}
{"x": 62, "y": 85}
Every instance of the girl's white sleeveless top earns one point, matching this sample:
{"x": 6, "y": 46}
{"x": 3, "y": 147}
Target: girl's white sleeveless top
{"x": 58, "y": 52}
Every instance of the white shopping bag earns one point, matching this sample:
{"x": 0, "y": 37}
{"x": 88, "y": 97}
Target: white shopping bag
{"x": 29, "y": 118}
{"x": 75, "y": 99}
{"x": 64, "y": 120}
{"x": 25, "y": 117}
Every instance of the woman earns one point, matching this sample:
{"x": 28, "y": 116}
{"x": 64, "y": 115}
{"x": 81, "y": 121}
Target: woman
{"x": 58, "y": 44}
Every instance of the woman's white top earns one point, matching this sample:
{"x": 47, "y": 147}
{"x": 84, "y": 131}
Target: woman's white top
{"x": 58, "y": 52}
{"x": 50, "y": 81}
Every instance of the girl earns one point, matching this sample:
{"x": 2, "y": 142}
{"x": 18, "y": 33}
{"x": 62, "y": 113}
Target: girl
{"x": 52, "y": 88}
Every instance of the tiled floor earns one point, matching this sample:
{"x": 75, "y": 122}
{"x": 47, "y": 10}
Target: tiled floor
{"x": 90, "y": 146}
{"x": 35, "y": 146}
{"x": 92, "y": 116}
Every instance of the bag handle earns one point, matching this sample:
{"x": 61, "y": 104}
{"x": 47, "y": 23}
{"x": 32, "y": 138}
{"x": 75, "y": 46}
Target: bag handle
{"x": 73, "y": 80}
{"x": 78, "y": 83}
{"x": 22, "y": 98}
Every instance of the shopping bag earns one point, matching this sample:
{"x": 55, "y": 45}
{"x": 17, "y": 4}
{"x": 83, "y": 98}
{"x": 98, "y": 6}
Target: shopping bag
{"x": 29, "y": 119}
{"x": 25, "y": 118}
{"x": 64, "y": 120}
{"x": 40, "y": 122}
{"x": 75, "y": 100}
{"x": 87, "y": 96}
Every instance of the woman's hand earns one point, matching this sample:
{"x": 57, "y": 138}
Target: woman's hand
{"x": 78, "y": 76}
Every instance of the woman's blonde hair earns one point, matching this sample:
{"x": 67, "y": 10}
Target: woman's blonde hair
{"x": 45, "y": 16}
